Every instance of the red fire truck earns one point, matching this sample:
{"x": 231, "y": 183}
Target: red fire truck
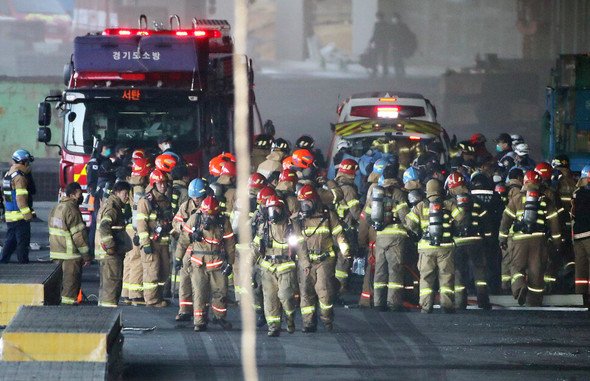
{"x": 130, "y": 86}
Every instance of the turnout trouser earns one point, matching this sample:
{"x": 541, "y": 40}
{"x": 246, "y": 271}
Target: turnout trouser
{"x": 316, "y": 287}
{"x": 185, "y": 290}
{"x": 152, "y": 273}
{"x": 208, "y": 285}
{"x": 389, "y": 272}
{"x": 18, "y": 239}
{"x": 279, "y": 295}
{"x": 71, "y": 279}
{"x": 529, "y": 260}
{"x": 111, "y": 280}
{"x": 466, "y": 256}
{"x": 582, "y": 257}
{"x": 431, "y": 262}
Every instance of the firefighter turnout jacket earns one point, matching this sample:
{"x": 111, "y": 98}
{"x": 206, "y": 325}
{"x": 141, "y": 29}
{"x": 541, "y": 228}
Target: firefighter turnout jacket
{"x": 111, "y": 238}
{"x": 68, "y": 238}
{"x": 154, "y": 219}
{"x": 16, "y": 194}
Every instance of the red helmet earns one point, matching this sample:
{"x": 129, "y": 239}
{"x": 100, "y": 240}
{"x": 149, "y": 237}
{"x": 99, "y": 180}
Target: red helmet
{"x": 229, "y": 168}
{"x": 302, "y": 158}
{"x": 141, "y": 167}
{"x": 157, "y": 176}
{"x": 307, "y": 192}
{"x": 288, "y": 162}
{"x": 264, "y": 194}
{"x": 454, "y": 180}
{"x": 544, "y": 170}
{"x": 210, "y": 205}
{"x": 348, "y": 167}
{"x": 478, "y": 139}
{"x": 532, "y": 177}
{"x": 138, "y": 154}
{"x": 165, "y": 162}
{"x": 257, "y": 181}
{"x": 274, "y": 200}
{"x": 288, "y": 175}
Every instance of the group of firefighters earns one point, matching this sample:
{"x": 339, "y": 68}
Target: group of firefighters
{"x": 437, "y": 227}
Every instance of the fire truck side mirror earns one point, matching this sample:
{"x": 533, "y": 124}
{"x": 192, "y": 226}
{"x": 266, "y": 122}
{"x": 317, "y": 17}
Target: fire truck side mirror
{"x": 44, "y": 134}
{"x": 44, "y": 114}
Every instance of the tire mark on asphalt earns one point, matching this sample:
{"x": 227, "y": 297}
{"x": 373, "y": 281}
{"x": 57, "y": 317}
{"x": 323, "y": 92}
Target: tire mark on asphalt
{"x": 271, "y": 357}
{"x": 197, "y": 356}
{"x": 424, "y": 350}
{"x": 398, "y": 351}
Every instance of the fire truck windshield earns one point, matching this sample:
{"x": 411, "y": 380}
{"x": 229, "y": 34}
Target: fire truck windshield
{"x": 137, "y": 124}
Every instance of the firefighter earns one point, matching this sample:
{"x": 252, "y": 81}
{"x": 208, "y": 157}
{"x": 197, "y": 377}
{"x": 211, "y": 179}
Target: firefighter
{"x": 367, "y": 234}
{"x": 388, "y": 211}
{"x": 165, "y": 163}
{"x": 132, "y": 267}
{"x": 179, "y": 195}
{"x": 468, "y": 241}
{"x": 285, "y": 189}
{"x": 513, "y": 187}
{"x": 580, "y": 212}
{"x": 209, "y": 242}
{"x": 349, "y": 211}
{"x": 307, "y": 142}
{"x": 545, "y": 171}
{"x": 317, "y": 229}
{"x": 154, "y": 217}
{"x": 68, "y": 241}
{"x": 565, "y": 186}
{"x": 433, "y": 218}
{"x": 198, "y": 189}
{"x": 261, "y": 149}
{"x": 529, "y": 214}
{"x": 18, "y": 208}
{"x": 111, "y": 244}
{"x": 277, "y": 267}
{"x": 224, "y": 188}
{"x": 308, "y": 173}
{"x": 259, "y": 219}
{"x": 274, "y": 161}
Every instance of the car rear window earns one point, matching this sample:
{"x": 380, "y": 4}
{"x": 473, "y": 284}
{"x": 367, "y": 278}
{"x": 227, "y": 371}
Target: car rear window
{"x": 387, "y": 112}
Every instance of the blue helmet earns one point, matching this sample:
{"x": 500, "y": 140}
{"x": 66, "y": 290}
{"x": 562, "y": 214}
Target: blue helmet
{"x": 585, "y": 172}
{"x": 197, "y": 188}
{"x": 22, "y": 156}
{"x": 380, "y": 164}
{"x": 411, "y": 174}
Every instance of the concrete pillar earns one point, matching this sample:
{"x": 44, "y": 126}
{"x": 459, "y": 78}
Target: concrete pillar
{"x": 363, "y": 19}
{"x": 290, "y": 30}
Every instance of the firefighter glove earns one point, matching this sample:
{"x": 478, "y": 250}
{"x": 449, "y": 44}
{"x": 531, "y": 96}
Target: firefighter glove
{"x": 177, "y": 264}
{"x": 226, "y": 269}
{"x": 148, "y": 249}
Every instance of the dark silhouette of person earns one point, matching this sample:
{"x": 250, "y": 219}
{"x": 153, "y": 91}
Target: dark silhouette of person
{"x": 381, "y": 40}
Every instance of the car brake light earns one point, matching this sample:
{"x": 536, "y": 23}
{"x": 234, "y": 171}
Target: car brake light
{"x": 133, "y": 76}
{"x": 181, "y": 33}
{"x": 124, "y": 32}
{"x": 388, "y": 112}
{"x": 414, "y": 137}
{"x": 387, "y": 99}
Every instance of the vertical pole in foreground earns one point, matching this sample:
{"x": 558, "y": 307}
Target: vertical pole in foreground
{"x": 241, "y": 91}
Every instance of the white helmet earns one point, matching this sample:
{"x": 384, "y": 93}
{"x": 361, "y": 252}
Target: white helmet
{"x": 522, "y": 149}
{"x": 343, "y": 144}
{"x": 516, "y": 139}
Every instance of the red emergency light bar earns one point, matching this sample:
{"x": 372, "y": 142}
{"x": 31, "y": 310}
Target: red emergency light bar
{"x": 198, "y": 33}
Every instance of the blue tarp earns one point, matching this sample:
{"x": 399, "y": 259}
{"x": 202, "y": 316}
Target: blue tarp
{"x": 135, "y": 54}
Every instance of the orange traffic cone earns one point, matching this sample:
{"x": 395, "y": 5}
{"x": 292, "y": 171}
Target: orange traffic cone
{"x": 80, "y": 297}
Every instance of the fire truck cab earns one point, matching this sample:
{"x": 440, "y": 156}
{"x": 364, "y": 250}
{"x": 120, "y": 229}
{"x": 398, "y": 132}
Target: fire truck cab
{"x": 130, "y": 86}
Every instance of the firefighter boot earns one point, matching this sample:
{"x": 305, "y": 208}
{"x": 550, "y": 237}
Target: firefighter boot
{"x": 226, "y": 325}
{"x": 260, "y": 319}
{"x": 291, "y": 324}
{"x": 183, "y": 317}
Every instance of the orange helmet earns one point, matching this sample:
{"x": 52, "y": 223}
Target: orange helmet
{"x": 157, "y": 176}
{"x": 229, "y": 168}
{"x": 226, "y": 156}
{"x": 141, "y": 167}
{"x": 307, "y": 192}
{"x": 532, "y": 177}
{"x": 348, "y": 167}
{"x": 302, "y": 158}
{"x": 138, "y": 154}
{"x": 215, "y": 166}
{"x": 545, "y": 170}
{"x": 288, "y": 162}
{"x": 257, "y": 181}
{"x": 165, "y": 162}
{"x": 288, "y": 175}
{"x": 210, "y": 205}
{"x": 454, "y": 180}
{"x": 264, "y": 194}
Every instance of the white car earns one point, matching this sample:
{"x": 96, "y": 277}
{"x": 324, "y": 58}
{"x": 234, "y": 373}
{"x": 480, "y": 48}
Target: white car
{"x": 386, "y": 105}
